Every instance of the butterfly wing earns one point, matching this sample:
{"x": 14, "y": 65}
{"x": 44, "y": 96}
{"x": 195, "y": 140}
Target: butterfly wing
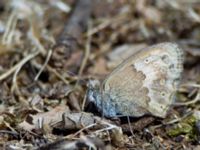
{"x": 146, "y": 82}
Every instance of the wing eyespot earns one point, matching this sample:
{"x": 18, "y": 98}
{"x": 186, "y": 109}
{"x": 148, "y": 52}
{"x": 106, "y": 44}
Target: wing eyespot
{"x": 165, "y": 58}
{"x": 163, "y": 94}
{"x": 162, "y": 82}
{"x": 146, "y": 61}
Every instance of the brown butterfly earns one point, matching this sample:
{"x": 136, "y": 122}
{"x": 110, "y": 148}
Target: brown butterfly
{"x": 145, "y": 83}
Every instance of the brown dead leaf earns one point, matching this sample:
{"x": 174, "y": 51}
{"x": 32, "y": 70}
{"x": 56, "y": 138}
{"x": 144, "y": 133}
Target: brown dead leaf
{"x": 78, "y": 120}
{"x": 40, "y": 120}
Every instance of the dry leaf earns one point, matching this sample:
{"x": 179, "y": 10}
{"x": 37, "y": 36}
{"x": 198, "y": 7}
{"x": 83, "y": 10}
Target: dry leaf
{"x": 40, "y": 120}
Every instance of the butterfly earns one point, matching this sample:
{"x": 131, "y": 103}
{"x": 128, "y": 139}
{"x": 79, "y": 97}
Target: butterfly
{"x": 145, "y": 83}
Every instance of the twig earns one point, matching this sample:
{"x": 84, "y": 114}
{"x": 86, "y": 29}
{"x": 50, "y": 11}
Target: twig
{"x": 99, "y": 27}
{"x": 106, "y": 23}
{"x": 11, "y": 24}
{"x": 18, "y": 65}
{"x": 129, "y": 124}
{"x": 84, "y": 101}
{"x": 14, "y": 81}
{"x": 45, "y": 64}
{"x": 57, "y": 74}
{"x": 35, "y": 39}
{"x": 87, "y": 127}
{"x": 110, "y": 127}
{"x": 9, "y": 132}
{"x": 178, "y": 119}
{"x": 191, "y": 85}
{"x": 87, "y": 53}
{"x": 173, "y": 121}
{"x": 196, "y": 99}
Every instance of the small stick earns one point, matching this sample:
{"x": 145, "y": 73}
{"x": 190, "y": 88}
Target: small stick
{"x": 196, "y": 99}
{"x": 87, "y": 53}
{"x": 45, "y": 64}
{"x": 18, "y": 65}
{"x": 57, "y": 74}
{"x": 11, "y": 24}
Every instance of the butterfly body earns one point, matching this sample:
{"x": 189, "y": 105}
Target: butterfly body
{"x": 145, "y": 83}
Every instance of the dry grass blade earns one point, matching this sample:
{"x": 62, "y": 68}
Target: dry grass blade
{"x": 45, "y": 64}
{"x": 57, "y": 74}
{"x": 87, "y": 53}
{"x": 10, "y": 27}
{"x": 195, "y": 100}
{"x": 18, "y": 66}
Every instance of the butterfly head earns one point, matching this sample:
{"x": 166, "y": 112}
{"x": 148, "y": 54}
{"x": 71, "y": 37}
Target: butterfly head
{"x": 93, "y": 93}
{"x": 100, "y": 99}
